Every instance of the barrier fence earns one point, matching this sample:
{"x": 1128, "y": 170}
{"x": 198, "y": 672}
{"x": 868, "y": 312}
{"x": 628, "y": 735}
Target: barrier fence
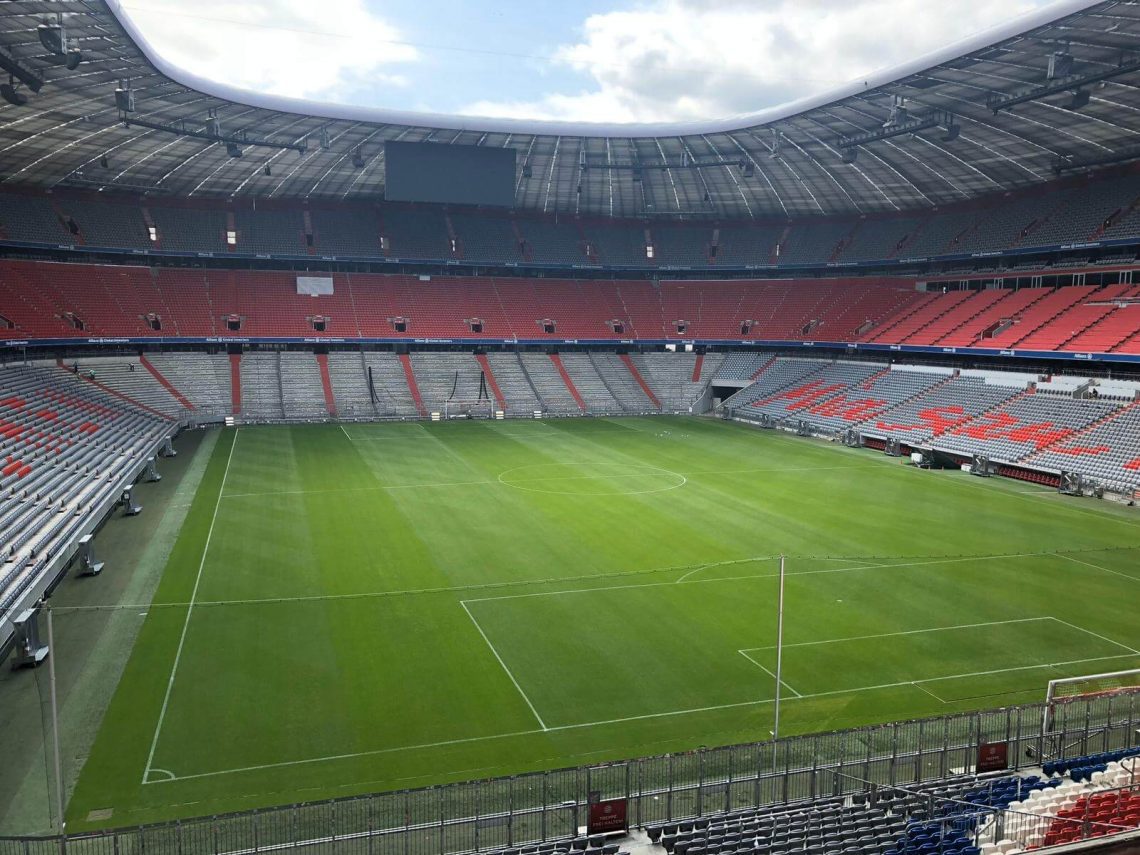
{"x": 553, "y": 805}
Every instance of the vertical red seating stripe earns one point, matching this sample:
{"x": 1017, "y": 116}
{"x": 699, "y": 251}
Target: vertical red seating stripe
{"x": 235, "y": 383}
{"x": 700, "y": 363}
{"x": 557, "y": 360}
{"x": 326, "y": 382}
{"x": 166, "y": 384}
{"x": 481, "y": 358}
{"x": 413, "y": 386}
{"x": 640, "y": 380}
{"x": 115, "y": 392}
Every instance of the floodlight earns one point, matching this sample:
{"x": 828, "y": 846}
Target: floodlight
{"x": 51, "y": 37}
{"x": 125, "y": 99}
{"x": 1080, "y": 99}
{"x": 8, "y": 93}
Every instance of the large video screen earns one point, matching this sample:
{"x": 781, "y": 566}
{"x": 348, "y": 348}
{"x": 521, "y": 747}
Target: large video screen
{"x": 438, "y": 172}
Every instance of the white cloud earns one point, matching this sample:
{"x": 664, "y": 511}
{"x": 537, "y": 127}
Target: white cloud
{"x": 300, "y": 48}
{"x": 700, "y": 59}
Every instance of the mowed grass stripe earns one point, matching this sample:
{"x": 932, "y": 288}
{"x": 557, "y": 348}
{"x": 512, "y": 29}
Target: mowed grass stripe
{"x": 330, "y": 652}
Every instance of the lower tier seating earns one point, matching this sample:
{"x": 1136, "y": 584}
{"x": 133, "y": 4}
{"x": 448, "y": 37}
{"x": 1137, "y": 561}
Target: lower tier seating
{"x": 963, "y": 815}
{"x": 1043, "y": 425}
{"x": 65, "y": 445}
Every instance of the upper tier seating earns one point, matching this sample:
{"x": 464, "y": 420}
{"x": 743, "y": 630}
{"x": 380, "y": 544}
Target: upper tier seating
{"x": 103, "y": 224}
{"x": 31, "y": 219}
{"x": 347, "y": 232}
{"x": 617, "y": 245}
{"x": 484, "y": 238}
{"x": 273, "y": 232}
{"x": 1065, "y": 212}
{"x": 417, "y": 233}
{"x": 880, "y": 238}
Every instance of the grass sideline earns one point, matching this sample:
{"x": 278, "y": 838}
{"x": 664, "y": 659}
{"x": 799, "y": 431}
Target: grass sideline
{"x": 365, "y": 607}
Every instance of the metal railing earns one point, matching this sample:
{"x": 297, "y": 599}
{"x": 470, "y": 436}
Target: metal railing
{"x": 552, "y": 805}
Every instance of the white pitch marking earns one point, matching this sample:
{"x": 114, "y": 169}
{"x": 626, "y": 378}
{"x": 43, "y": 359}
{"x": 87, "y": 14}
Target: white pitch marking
{"x": 732, "y": 561}
{"x": 922, "y": 688}
{"x": 490, "y": 483}
{"x": 852, "y": 569}
{"x": 583, "y": 725}
{"x": 784, "y": 683}
{"x": 504, "y": 664}
{"x": 189, "y": 610}
{"x": 1098, "y": 567}
{"x": 907, "y": 632}
{"x": 1097, "y": 635}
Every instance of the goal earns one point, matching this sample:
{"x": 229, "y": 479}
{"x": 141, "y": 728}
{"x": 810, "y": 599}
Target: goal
{"x": 1090, "y": 687}
{"x": 479, "y": 409}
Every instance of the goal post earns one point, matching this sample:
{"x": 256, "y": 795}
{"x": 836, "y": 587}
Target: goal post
{"x": 1088, "y": 687}
{"x": 478, "y": 409}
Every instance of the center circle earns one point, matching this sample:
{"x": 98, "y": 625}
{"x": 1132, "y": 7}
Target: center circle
{"x": 592, "y": 479}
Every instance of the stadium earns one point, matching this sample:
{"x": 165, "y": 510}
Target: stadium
{"x": 391, "y": 482}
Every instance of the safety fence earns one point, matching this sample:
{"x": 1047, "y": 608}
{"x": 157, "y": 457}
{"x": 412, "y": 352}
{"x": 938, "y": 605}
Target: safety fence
{"x": 548, "y": 806}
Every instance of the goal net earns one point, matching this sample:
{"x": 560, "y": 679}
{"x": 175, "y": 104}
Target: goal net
{"x": 480, "y": 409}
{"x": 1067, "y": 690}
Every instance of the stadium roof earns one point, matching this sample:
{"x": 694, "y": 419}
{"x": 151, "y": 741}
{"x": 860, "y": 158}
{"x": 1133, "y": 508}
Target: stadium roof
{"x": 953, "y": 139}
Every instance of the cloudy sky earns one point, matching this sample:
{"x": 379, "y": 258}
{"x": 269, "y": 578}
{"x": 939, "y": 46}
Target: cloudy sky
{"x": 592, "y": 60}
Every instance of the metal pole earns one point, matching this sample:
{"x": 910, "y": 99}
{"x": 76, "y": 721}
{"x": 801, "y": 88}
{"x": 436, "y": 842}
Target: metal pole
{"x": 779, "y": 650}
{"x": 55, "y": 722}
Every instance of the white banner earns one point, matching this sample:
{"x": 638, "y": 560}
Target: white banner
{"x": 314, "y": 286}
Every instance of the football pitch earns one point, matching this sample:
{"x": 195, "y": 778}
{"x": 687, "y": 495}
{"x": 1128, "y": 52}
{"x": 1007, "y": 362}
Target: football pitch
{"x": 381, "y": 606}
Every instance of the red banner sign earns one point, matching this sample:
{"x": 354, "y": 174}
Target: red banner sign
{"x": 607, "y": 816}
{"x": 993, "y": 757}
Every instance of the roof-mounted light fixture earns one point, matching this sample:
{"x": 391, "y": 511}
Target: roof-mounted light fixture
{"x": 60, "y": 50}
{"x": 1071, "y": 83}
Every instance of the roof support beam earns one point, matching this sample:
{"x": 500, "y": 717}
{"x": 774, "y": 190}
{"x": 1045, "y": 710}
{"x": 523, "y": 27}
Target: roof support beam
{"x": 997, "y": 102}
{"x": 229, "y": 139}
{"x": 933, "y": 119}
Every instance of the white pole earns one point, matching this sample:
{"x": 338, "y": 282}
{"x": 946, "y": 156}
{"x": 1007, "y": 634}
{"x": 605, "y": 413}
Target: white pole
{"x": 779, "y": 649}
{"x": 55, "y": 722}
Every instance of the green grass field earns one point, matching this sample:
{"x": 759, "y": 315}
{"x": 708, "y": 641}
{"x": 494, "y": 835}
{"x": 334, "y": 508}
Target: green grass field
{"x": 386, "y": 606}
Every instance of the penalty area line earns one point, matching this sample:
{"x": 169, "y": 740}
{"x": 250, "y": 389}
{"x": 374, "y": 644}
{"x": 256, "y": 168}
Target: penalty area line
{"x": 770, "y": 673}
{"x": 504, "y": 665}
{"x": 622, "y": 720}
